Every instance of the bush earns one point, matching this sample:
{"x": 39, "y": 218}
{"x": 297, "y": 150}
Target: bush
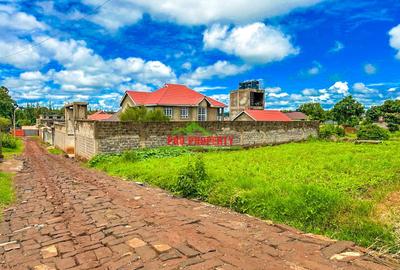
{"x": 190, "y": 179}
{"x": 130, "y": 156}
{"x": 372, "y": 132}
{"x": 9, "y": 141}
{"x": 141, "y": 114}
{"x": 393, "y": 127}
{"x": 192, "y": 128}
{"x": 327, "y": 131}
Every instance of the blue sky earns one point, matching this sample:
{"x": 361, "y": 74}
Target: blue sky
{"x": 301, "y": 50}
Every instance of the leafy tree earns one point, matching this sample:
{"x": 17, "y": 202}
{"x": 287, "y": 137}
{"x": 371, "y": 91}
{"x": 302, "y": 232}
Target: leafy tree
{"x": 5, "y": 123}
{"x": 7, "y": 104}
{"x": 373, "y": 114}
{"x": 313, "y": 110}
{"x": 348, "y": 111}
{"x": 141, "y": 114}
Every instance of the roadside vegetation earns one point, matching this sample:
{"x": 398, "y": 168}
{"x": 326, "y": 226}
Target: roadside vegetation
{"x": 11, "y": 146}
{"x": 323, "y": 187}
{"x": 6, "y": 190}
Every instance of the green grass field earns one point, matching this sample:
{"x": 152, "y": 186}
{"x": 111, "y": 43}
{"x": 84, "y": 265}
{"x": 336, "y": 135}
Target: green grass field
{"x": 321, "y": 187}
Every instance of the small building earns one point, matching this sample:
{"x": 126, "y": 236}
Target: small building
{"x": 297, "y": 116}
{"x": 248, "y": 97}
{"x": 178, "y": 102}
{"x": 100, "y": 116}
{"x": 261, "y": 115}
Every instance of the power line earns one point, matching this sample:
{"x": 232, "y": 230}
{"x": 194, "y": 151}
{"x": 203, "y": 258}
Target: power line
{"x": 37, "y": 44}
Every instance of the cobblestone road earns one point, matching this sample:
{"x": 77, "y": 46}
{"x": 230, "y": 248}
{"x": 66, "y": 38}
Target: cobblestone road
{"x": 69, "y": 217}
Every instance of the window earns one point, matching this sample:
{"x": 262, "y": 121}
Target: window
{"x": 256, "y": 99}
{"x": 202, "y": 114}
{"x": 220, "y": 114}
{"x": 184, "y": 112}
{"x": 168, "y": 112}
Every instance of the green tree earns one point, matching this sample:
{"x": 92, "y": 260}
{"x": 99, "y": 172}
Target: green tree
{"x": 348, "y": 111}
{"x": 141, "y": 114}
{"x": 7, "y": 104}
{"x": 373, "y": 114}
{"x": 5, "y": 123}
{"x": 313, "y": 110}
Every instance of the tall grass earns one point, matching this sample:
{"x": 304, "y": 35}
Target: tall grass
{"x": 6, "y": 190}
{"x": 320, "y": 187}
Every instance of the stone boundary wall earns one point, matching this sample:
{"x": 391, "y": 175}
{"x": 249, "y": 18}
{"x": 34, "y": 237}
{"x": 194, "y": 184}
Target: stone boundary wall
{"x": 62, "y": 140}
{"x": 94, "y": 137}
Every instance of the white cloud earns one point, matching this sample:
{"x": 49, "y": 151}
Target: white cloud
{"x": 187, "y": 65}
{"x": 369, "y": 69}
{"x": 11, "y": 19}
{"x": 309, "y": 91}
{"x": 135, "y": 86}
{"x": 224, "y": 98}
{"x": 362, "y": 88}
{"x": 296, "y": 97}
{"x": 273, "y": 89}
{"x": 219, "y": 69}
{"x": 193, "y": 12}
{"x": 31, "y": 59}
{"x": 392, "y": 89}
{"x": 338, "y": 47}
{"x": 208, "y": 88}
{"x": 278, "y": 95}
{"x": 394, "y": 34}
{"x": 255, "y": 43}
{"x": 340, "y": 88}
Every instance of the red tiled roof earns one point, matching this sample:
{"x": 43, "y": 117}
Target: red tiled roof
{"x": 267, "y": 115}
{"x": 98, "y": 116}
{"x": 296, "y": 115}
{"x": 172, "y": 95}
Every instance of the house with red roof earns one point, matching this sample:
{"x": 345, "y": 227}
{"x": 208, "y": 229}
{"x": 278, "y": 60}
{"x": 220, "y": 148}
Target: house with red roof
{"x": 261, "y": 115}
{"x": 100, "y": 116}
{"x": 178, "y": 102}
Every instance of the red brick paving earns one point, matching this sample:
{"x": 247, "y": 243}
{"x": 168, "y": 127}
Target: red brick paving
{"x": 69, "y": 217}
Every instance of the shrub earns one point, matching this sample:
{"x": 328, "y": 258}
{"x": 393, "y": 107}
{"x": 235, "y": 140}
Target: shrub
{"x": 8, "y": 141}
{"x": 192, "y": 128}
{"x": 327, "y": 131}
{"x": 130, "y": 156}
{"x": 393, "y": 127}
{"x": 141, "y": 114}
{"x": 372, "y": 132}
{"x": 190, "y": 179}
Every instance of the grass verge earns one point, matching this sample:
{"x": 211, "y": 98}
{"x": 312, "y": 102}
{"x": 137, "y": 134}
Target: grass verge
{"x": 6, "y": 190}
{"x": 320, "y": 187}
{"x": 10, "y": 152}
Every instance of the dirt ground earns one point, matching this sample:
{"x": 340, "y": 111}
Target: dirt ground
{"x": 70, "y": 217}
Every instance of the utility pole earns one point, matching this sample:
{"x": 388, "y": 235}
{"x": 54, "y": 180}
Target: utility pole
{"x": 1, "y": 147}
{"x": 15, "y": 109}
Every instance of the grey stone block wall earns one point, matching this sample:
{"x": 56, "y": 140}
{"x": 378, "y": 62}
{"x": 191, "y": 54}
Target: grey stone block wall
{"x": 113, "y": 137}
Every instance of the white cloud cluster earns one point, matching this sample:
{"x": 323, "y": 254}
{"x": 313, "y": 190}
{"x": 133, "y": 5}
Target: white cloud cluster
{"x": 363, "y": 89}
{"x": 340, "y": 88}
{"x": 193, "y": 12}
{"x": 12, "y": 19}
{"x": 255, "y": 43}
{"x": 219, "y": 69}
{"x": 394, "y": 34}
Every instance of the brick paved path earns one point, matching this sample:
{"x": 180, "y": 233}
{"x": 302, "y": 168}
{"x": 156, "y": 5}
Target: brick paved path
{"x": 69, "y": 217}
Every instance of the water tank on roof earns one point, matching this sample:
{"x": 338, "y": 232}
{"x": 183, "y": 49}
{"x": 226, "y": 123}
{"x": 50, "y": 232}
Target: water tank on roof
{"x": 253, "y": 84}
